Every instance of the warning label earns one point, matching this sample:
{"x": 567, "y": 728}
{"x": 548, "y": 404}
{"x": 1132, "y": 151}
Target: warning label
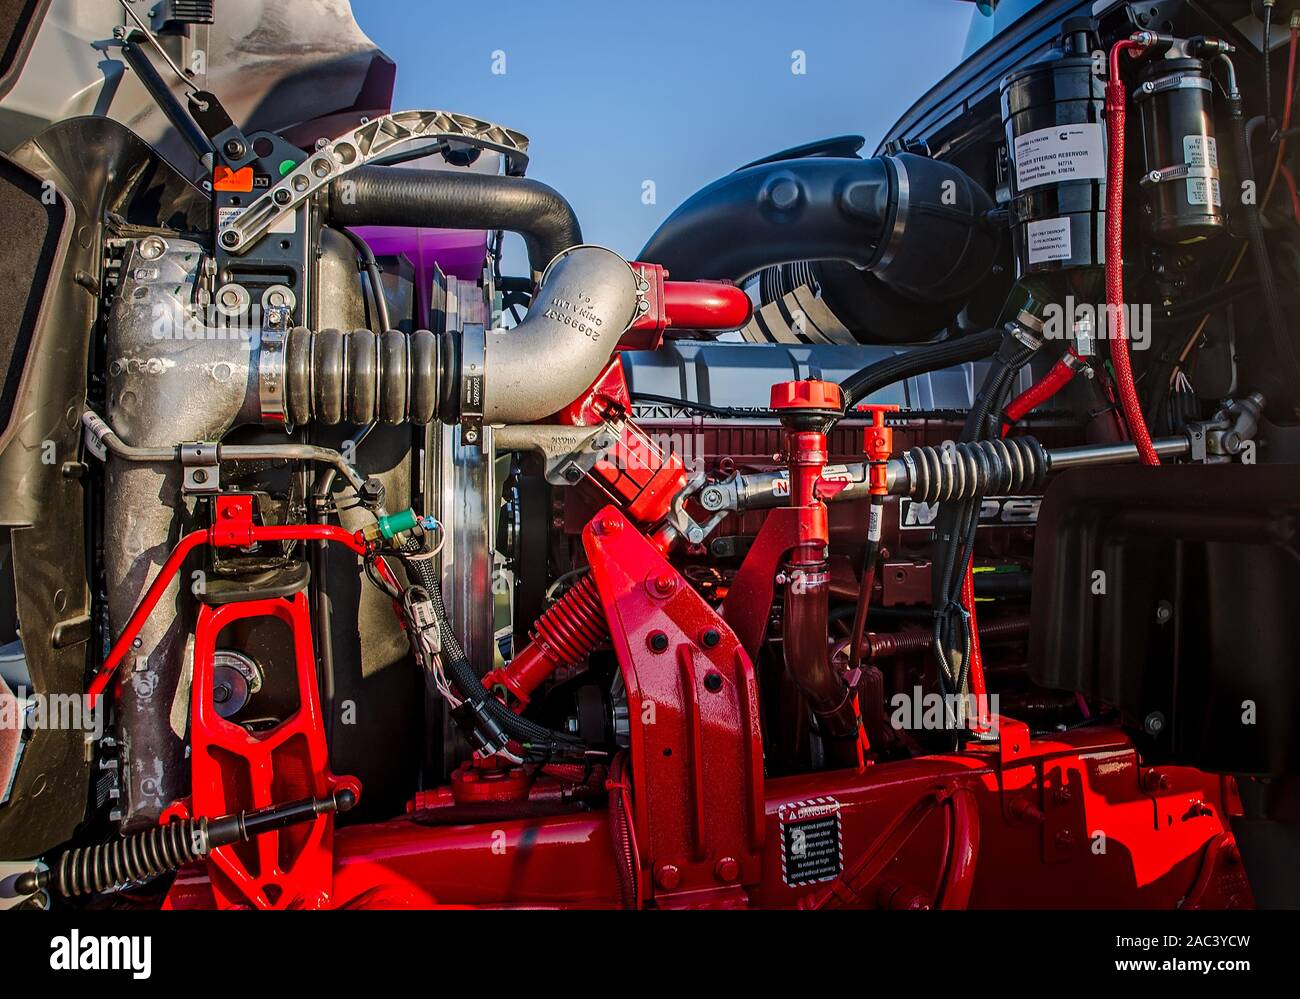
{"x": 812, "y": 844}
{"x": 1049, "y": 239}
{"x": 1063, "y": 152}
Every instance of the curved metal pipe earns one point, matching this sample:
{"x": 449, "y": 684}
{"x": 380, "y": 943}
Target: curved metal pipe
{"x": 588, "y": 298}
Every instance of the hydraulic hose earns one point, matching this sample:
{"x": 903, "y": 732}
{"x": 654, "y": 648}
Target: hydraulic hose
{"x": 1058, "y": 376}
{"x": 917, "y": 361}
{"x": 470, "y": 687}
{"x": 1274, "y": 316}
{"x": 380, "y": 195}
{"x": 1118, "y": 334}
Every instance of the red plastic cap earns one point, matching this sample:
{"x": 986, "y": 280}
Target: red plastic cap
{"x": 808, "y": 394}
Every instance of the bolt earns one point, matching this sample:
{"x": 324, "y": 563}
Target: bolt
{"x": 711, "y": 498}
{"x": 710, "y": 638}
{"x": 1164, "y": 612}
{"x": 282, "y": 196}
{"x": 200, "y": 476}
{"x": 657, "y": 641}
{"x": 664, "y": 584}
{"x": 727, "y": 869}
{"x": 1154, "y": 723}
{"x": 1023, "y": 808}
{"x": 610, "y": 525}
{"x": 234, "y": 149}
{"x": 712, "y": 682}
{"x": 668, "y": 877}
{"x": 572, "y": 474}
{"x": 1065, "y": 839}
{"x": 230, "y": 238}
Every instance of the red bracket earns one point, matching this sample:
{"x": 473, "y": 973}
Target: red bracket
{"x": 696, "y": 741}
{"x": 233, "y": 769}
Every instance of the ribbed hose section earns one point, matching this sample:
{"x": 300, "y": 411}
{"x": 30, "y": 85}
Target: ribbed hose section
{"x": 360, "y": 377}
{"x": 966, "y": 470}
{"x": 574, "y": 624}
{"x": 146, "y": 854}
{"x": 887, "y": 644}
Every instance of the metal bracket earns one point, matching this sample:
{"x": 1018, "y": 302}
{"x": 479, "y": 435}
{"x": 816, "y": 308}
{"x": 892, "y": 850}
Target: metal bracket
{"x": 473, "y": 378}
{"x": 691, "y": 529}
{"x": 364, "y": 144}
{"x": 200, "y": 462}
{"x": 568, "y": 453}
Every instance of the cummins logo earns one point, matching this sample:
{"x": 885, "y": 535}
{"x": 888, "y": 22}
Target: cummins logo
{"x": 1001, "y": 511}
{"x": 94, "y": 953}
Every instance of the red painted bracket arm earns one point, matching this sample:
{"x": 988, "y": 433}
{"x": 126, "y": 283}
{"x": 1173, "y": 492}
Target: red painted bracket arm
{"x": 233, "y": 531}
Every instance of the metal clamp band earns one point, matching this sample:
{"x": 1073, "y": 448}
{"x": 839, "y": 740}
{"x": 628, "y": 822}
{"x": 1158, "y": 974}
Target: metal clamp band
{"x": 270, "y": 377}
{"x": 473, "y": 381}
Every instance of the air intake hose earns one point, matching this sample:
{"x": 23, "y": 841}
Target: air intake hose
{"x": 588, "y": 298}
{"x": 380, "y": 195}
{"x": 918, "y": 224}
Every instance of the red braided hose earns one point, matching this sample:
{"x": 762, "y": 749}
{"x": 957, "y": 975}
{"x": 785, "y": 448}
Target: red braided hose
{"x": 1118, "y": 334}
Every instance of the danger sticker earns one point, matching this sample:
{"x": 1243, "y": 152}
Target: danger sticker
{"x": 1049, "y": 239}
{"x": 812, "y": 842}
{"x": 1063, "y": 152}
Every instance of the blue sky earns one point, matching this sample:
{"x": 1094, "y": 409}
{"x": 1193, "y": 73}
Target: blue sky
{"x": 617, "y": 93}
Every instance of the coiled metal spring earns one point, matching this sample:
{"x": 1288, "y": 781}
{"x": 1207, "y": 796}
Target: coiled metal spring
{"x": 145, "y": 854}
{"x": 962, "y": 471}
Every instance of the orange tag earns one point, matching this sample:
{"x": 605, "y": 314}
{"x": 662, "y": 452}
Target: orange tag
{"x": 225, "y": 179}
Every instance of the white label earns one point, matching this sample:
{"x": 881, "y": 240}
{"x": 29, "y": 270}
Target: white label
{"x": 1064, "y": 152}
{"x": 1049, "y": 239}
{"x": 875, "y": 521}
{"x": 1201, "y": 153}
{"x": 286, "y": 224}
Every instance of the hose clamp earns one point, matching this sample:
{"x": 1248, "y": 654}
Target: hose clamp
{"x": 473, "y": 382}
{"x": 900, "y": 214}
{"x": 270, "y": 377}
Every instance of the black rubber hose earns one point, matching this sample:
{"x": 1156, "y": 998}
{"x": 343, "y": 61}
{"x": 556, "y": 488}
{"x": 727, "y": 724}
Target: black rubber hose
{"x": 1273, "y": 313}
{"x": 917, "y": 361}
{"x": 470, "y": 686}
{"x": 379, "y": 195}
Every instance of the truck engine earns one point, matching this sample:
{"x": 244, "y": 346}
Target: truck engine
{"x": 903, "y": 528}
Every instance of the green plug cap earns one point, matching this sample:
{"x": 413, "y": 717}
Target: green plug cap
{"x": 397, "y": 523}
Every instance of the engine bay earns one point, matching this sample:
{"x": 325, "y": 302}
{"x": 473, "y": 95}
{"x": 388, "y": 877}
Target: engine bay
{"x": 895, "y": 531}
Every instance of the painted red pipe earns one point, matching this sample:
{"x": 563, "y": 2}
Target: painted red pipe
{"x": 220, "y": 535}
{"x": 706, "y": 305}
{"x": 1118, "y": 335}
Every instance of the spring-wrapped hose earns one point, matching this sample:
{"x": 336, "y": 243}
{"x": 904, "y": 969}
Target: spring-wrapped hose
{"x": 331, "y": 376}
{"x": 975, "y": 468}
